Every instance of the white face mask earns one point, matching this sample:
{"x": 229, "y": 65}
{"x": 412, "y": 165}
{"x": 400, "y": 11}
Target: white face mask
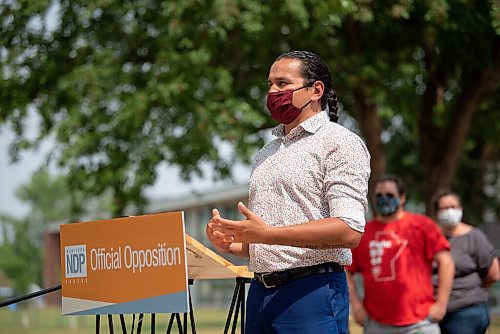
{"x": 449, "y": 217}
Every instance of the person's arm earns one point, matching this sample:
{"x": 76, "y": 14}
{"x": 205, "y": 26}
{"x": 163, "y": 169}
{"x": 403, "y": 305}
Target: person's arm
{"x": 446, "y": 272}
{"x": 316, "y": 234}
{"x": 358, "y": 309}
{"x": 345, "y": 187}
{"x": 493, "y": 274}
{"x": 323, "y": 233}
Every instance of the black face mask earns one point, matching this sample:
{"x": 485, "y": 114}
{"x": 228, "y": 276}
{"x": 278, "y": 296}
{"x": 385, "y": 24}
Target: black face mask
{"x": 387, "y": 205}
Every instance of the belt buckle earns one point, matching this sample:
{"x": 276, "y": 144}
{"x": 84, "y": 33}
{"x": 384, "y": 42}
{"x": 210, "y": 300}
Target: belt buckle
{"x": 262, "y": 279}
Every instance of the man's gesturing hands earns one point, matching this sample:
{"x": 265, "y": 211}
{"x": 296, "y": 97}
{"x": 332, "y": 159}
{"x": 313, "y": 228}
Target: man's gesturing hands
{"x": 216, "y": 239}
{"x": 225, "y": 231}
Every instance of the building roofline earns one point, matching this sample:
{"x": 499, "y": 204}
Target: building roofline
{"x": 197, "y": 199}
{"x": 191, "y": 200}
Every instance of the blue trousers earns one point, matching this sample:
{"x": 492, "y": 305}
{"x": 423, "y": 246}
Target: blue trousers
{"x": 473, "y": 319}
{"x": 313, "y": 304}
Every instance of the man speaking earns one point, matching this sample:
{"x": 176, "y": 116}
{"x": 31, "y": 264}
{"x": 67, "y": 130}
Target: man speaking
{"x": 307, "y": 205}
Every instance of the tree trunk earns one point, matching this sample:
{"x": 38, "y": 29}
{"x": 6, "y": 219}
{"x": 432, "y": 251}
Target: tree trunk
{"x": 368, "y": 118}
{"x": 443, "y": 170}
{"x": 371, "y": 129}
{"x": 429, "y": 134}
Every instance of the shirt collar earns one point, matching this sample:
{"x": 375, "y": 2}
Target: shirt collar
{"x": 310, "y": 125}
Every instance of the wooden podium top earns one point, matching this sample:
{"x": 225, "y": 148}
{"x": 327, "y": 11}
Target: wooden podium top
{"x": 203, "y": 263}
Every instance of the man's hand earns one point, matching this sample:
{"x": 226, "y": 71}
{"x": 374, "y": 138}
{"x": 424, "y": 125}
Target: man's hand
{"x": 251, "y": 230}
{"x": 221, "y": 244}
{"x": 437, "y": 312}
{"x": 359, "y": 313}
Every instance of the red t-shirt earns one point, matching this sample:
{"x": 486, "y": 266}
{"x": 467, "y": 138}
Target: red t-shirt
{"x": 395, "y": 260}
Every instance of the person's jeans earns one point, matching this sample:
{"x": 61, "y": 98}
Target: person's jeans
{"x": 313, "y": 304}
{"x": 425, "y": 326}
{"x": 473, "y": 319}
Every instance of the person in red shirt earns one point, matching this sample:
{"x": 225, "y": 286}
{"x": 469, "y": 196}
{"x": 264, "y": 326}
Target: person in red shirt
{"x": 395, "y": 259}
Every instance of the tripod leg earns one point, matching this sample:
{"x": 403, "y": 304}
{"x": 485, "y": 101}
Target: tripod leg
{"x": 236, "y": 313}
{"x": 170, "y": 323}
{"x": 240, "y": 305}
{"x": 124, "y": 326}
{"x": 97, "y": 323}
{"x": 242, "y": 296}
{"x": 185, "y": 323}
{"x": 179, "y": 323}
{"x": 139, "y": 324}
{"x": 110, "y": 323}
{"x": 233, "y": 301}
{"x": 191, "y": 315}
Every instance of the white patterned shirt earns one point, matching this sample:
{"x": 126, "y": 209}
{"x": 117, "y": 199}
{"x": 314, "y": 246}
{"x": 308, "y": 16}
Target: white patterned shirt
{"x": 318, "y": 170}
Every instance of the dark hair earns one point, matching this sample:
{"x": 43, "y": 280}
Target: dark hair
{"x": 315, "y": 69}
{"x": 396, "y": 179}
{"x": 442, "y": 194}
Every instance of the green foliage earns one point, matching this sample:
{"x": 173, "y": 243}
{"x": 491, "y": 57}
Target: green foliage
{"x": 47, "y": 196}
{"x": 20, "y": 254}
{"x": 125, "y": 85}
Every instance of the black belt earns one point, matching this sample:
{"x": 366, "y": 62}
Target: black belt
{"x": 277, "y": 278}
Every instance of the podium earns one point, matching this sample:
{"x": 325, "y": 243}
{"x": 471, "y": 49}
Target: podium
{"x": 140, "y": 265}
{"x": 203, "y": 264}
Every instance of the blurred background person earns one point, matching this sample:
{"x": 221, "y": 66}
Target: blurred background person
{"x": 395, "y": 258}
{"x": 476, "y": 268}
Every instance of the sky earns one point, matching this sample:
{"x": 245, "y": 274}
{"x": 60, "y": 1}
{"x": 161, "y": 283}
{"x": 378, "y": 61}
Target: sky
{"x": 13, "y": 175}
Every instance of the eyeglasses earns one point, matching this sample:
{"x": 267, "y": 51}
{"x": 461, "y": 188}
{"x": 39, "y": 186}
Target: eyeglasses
{"x": 388, "y": 195}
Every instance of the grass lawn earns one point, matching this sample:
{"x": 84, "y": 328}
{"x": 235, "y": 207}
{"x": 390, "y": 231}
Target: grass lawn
{"x": 50, "y": 321}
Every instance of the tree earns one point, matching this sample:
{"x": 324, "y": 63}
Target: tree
{"x": 47, "y": 195}
{"x": 415, "y": 74}
{"x": 127, "y": 85}
{"x": 20, "y": 253}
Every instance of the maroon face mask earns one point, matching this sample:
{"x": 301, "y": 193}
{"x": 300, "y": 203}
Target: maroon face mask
{"x": 281, "y": 108}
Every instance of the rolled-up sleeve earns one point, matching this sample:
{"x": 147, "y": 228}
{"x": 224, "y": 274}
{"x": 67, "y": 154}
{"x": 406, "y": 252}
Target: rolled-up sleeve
{"x": 347, "y": 171}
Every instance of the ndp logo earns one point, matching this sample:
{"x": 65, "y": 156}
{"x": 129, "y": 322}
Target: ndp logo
{"x": 76, "y": 261}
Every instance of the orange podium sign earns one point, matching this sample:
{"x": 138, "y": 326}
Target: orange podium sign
{"x": 125, "y": 265}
